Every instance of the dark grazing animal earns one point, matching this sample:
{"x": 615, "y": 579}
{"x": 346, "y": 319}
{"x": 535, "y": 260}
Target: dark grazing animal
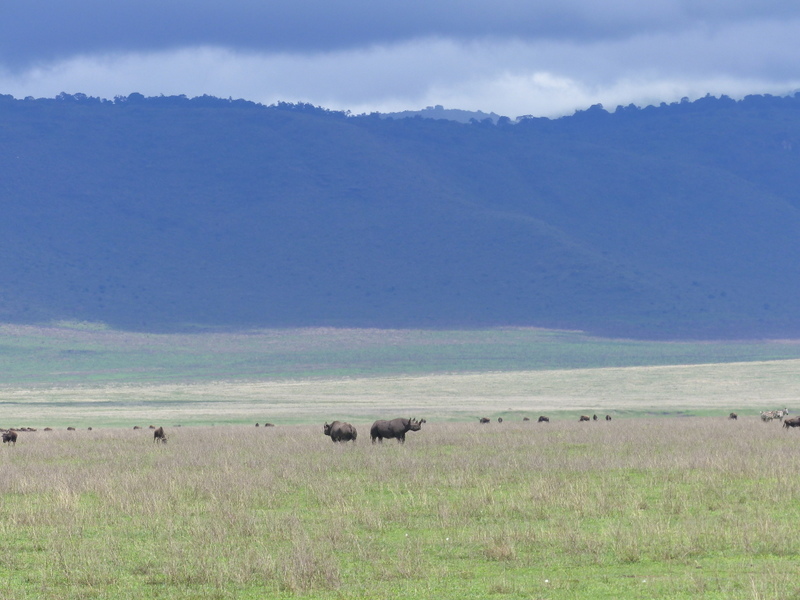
{"x": 396, "y": 428}
{"x": 484, "y": 420}
{"x": 544, "y": 419}
{"x": 525, "y": 419}
{"x": 70, "y": 429}
{"x": 733, "y": 416}
{"x": 791, "y": 422}
{"x": 159, "y": 435}
{"x": 594, "y": 417}
{"x": 584, "y": 418}
{"x": 10, "y": 437}
{"x": 499, "y": 419}
{"x": 608, "y": 417}
{"x": 339, "y": 431}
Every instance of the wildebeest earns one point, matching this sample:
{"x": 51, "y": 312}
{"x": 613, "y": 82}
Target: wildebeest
{"x": 268, "y": 425}
{"x": 594, "y": 417}
{"x": 608, "y": 417}
{"x": 485, "y": 420}
{"x": 396, "y": 428}
{"x": 544, "y": 419}
{"x": 136, "y": 427}
{"x": 525, "y": 419}
{"x": 10, "y": 437}
{"x": 499, "y": 419}
{"x": 70, "y": 429}
{"x": 733, "y": 416}
{"x": 159, "y": 435}
{"x": 584, "y": 418}
{"x": 793, "y": 422}
{"x": 340, "y": 431}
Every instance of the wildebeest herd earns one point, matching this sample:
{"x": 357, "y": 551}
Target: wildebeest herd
{"x": 542, "y": 419}
{"x": 10, "y": 435}
{"x": 339, "y": 431}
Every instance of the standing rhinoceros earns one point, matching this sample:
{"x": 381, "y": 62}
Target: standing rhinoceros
{"x": 340, "y": 432}
{"x": 396, "y": 428}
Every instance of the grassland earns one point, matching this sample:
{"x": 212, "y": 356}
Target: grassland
{"x": 648, "y": 508}
{"x": 84, "y": 375}
{"x": 649, "y": 505}
{"x": 86, "y": 353}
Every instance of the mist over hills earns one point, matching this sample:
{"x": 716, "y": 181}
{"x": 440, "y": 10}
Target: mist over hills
{"x": 169, "y": 213}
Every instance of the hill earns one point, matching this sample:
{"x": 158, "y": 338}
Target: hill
{"x": 440, "y": 112}
{"x": 172, "y": 213}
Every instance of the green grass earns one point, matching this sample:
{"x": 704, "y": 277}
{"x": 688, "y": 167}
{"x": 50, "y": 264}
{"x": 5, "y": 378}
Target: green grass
{"x": 651, "y": 508}
{"x": 69, "y": 353}
{"x": 668, "y": 500}
{"x": 86, "y": 375}
{"x": 631, "y": 392}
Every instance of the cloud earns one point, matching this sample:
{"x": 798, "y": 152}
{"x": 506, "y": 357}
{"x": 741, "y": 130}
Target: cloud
{"x": 48, "y": 30}
{"x": 549, "y": 58}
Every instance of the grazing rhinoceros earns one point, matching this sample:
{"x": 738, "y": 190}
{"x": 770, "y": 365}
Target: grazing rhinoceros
{"x": 340, "y": 431}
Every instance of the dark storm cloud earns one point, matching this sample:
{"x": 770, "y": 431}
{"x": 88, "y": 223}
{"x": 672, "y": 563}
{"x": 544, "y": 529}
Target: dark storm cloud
{"x": 47, "y": 30}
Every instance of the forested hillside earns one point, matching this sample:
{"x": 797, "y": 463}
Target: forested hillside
{"x": 169, "y": 213}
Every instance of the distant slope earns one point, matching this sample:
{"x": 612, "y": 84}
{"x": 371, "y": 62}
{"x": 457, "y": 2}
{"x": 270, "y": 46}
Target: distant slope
{"x": 165, "y": 213}
{"x": 440, "y": 112}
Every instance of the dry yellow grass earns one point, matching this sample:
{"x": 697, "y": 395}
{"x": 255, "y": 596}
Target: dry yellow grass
{"x": 735, "y": 386}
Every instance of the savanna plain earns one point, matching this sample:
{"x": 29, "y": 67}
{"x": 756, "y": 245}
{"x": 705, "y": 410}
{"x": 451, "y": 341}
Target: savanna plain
{"x": 668, "y": 499}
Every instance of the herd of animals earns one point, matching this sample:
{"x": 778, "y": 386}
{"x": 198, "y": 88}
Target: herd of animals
{"x": 340, "y": 431}
{"x": 10, "y": 435}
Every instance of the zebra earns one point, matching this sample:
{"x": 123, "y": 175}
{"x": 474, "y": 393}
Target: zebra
{"x": 769, "y": 415}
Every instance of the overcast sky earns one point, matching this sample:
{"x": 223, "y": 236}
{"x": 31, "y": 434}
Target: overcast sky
{"x": 512, "y": 57}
